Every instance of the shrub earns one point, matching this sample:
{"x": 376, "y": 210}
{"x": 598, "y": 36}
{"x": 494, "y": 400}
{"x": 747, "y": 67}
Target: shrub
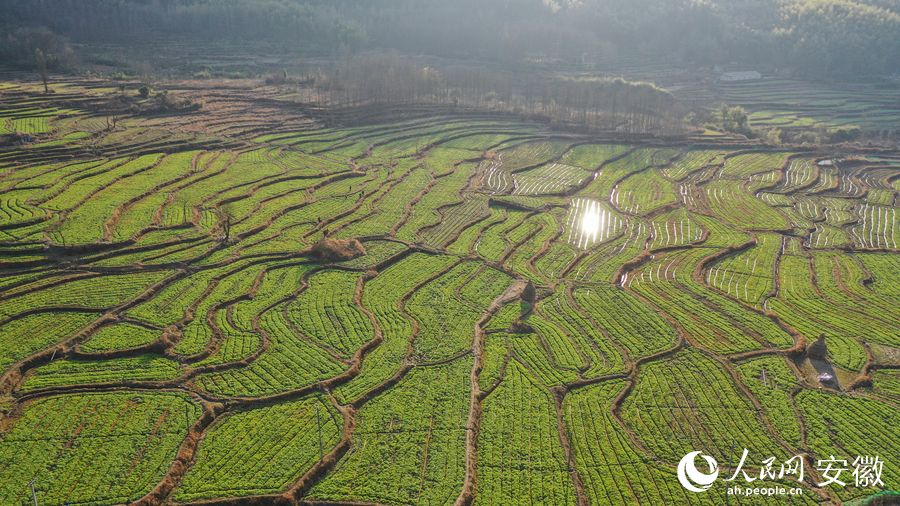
{"x": 844, "y": 134}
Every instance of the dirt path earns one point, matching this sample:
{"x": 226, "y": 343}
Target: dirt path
{"x": 473, "y": 421}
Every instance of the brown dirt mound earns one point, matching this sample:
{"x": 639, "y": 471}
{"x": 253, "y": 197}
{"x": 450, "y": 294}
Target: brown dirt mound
{"x": 336, "y": 250}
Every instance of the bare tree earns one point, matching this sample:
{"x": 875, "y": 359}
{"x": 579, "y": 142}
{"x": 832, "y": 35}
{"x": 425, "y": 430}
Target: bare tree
{"x": 40, "y": 62}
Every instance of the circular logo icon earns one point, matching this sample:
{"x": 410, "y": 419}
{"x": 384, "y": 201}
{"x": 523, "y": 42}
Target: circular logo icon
{"x": 691, "y": 478}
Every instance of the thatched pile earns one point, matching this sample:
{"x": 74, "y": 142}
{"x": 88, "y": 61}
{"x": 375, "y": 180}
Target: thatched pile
{"x": 338, "y": 250}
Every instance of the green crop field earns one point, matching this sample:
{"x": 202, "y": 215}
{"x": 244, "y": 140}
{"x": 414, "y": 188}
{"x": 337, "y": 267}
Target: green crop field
{"x": 788, "y": 103}
{"x": 531, "y": 316}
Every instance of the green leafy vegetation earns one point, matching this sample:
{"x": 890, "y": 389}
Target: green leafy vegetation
{"x": 509, "y": 310}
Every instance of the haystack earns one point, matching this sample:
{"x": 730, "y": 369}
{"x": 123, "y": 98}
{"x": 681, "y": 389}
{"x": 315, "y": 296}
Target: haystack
{"x": 338, "y": 250}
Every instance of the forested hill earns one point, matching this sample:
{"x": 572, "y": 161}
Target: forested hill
{"x": 821, "y": 37}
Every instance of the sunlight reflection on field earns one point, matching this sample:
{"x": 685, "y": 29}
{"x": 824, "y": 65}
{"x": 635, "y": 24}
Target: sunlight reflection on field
{"x": 589, "y": 223}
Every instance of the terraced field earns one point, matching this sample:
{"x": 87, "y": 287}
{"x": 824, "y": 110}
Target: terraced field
{"x": 537, "y": 318}
{"x": 791, "y": 104}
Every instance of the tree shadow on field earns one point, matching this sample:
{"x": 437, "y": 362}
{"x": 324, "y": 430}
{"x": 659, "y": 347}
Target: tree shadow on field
{"x": 817, "y": 354}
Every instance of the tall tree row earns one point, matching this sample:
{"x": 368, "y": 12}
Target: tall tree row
{"x": 390, "y": 79}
